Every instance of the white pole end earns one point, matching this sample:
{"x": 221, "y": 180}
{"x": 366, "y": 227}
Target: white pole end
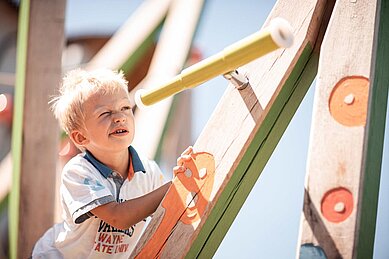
{"x": 138, "y": 99}
{"x": 281, "y": 32}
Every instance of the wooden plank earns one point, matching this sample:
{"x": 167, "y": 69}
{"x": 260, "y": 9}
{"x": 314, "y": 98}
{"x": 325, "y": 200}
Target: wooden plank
{"x": 17, "y": 131}
{"x": 182, "y": 20}
{"x": 177, "y": 136}
{"x": 241, "y": 135}
{"x": 133, "y": 39}
{"x": 374, "y": 135}
{"x": 35, "y": 131}
{"x": 335, "y": 173}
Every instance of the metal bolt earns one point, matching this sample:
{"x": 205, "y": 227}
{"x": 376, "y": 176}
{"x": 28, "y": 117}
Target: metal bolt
{"x": 339, "y": 207}
{"x": 188, "y": 173}
{"x": 202, "y": 173}
{"x": 349, "y": 99}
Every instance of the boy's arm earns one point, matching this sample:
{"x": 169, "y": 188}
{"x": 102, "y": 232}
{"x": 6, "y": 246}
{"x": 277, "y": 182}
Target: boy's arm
{"x": 126, "y": 214}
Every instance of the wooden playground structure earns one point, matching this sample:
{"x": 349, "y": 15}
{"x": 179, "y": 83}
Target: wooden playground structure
{"x": 343, "y": 43}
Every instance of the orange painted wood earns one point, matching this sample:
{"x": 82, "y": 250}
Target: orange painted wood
{"x": 192, "y": 187}
{"x": 336, "y": 152}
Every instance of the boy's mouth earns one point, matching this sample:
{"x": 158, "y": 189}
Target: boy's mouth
{"x": 119, "y": 132}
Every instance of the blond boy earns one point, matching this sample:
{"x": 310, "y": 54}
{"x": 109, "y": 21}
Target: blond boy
{"x": 108, "y": 190}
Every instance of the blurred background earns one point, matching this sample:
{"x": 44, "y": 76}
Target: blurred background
{"x": 268, "y": 223}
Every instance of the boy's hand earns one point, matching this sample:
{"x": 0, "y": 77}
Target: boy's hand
{"x": 185, "y": 156}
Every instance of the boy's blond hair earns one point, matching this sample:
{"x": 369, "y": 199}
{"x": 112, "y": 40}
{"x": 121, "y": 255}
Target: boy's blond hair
{"x": 77, "y": 86}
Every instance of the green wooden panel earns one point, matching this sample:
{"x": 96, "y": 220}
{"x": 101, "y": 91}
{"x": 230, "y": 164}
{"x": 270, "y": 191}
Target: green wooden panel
{"x": 17, "y": 127}
{"x": 133, "y": 59}
{"x": 375, "y": 130}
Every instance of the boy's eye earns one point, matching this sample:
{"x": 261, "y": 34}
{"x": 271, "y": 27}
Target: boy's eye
{"x": 104, "y": 113}
{"x": 125, "y": 108}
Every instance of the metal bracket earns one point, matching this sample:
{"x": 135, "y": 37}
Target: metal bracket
{"x": 240, "y": 81}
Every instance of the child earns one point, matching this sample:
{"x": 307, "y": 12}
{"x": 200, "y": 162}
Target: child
{"x": 108, "y": 190}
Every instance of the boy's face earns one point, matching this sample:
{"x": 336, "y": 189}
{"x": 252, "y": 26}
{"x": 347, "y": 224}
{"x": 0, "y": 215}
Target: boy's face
{"x": 109, "y": 123}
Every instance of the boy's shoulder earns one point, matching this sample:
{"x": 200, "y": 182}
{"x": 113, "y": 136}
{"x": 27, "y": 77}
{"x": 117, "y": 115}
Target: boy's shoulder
{"x": 77, "y": 160}
{"x": 78, "y": 164}
{"x": 150, "y": 166}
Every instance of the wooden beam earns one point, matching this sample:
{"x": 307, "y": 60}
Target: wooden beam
{"x": 132, "y": 40}
{"x": 241, "y": 135}
{"x": 344, "y": 155}
{"x": 374, "y": 135}
{"x": 182, "y": 20}
{"x": 35, "y": 131}
{"x": 178, "y": 130}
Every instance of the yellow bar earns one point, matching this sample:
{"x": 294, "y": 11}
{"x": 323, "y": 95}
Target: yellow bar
{"x": 277, "y": 35}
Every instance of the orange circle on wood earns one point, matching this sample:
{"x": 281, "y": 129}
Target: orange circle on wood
{"x": 337, "y": 205}
{"x": 201, "y": 185}
{"x": 348, "y": 100}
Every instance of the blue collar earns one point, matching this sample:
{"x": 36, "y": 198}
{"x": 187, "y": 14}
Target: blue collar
{"x": 106, "y": 171}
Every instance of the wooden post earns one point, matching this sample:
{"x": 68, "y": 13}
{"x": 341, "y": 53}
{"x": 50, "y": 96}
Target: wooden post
{"x": 240, "y": 137}
{"x": 132, "y": 40}
{"x": 177, "y": 135}
{"x": 374, "y": 135}
{"x": 182, "y": 20}
{"x": 35, "y": 131}
{"x": 343, "y": 169}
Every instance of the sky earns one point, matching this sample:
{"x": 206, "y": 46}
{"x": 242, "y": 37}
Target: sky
{"x": 267, "y": 225}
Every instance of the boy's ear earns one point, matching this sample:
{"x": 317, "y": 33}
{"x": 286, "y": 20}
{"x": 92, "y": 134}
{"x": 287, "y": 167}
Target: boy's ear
{"x": 79, "y": 138}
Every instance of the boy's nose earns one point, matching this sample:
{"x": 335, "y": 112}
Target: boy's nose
{"x": 120, "y": 118}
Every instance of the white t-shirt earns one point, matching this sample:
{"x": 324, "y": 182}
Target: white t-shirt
{"x": 85, "y": 184}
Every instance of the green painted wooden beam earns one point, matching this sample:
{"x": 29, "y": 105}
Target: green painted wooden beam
{"x": 261, "y": 147}
{"x": 256, "y": 157}
{"x": 17, "y": 127}
{"x": 375, "y": 129}
{"x": 244, "y": 130}
{"x": 38, "y": 71}
{"x": 123, "y": 52}
{"x": 133, "y": 59}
